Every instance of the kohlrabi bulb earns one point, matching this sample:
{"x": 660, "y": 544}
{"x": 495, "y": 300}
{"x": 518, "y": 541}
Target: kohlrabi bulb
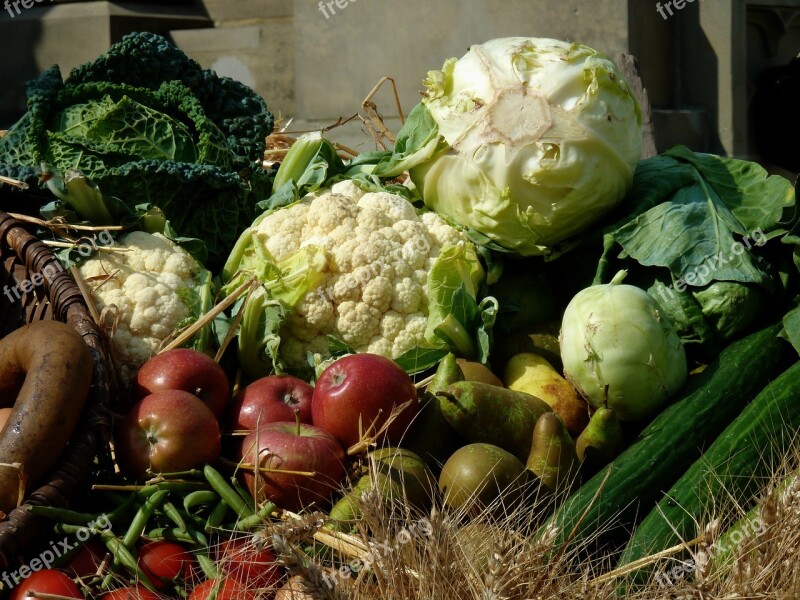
{"x": 613, "y": 336}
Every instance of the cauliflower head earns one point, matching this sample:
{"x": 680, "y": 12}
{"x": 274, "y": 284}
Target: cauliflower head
{"x": 142, "y": 278}
{"x": 367, "y": 260}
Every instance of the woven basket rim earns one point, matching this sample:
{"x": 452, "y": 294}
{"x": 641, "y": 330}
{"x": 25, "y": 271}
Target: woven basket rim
{"x": 21, "y": 530}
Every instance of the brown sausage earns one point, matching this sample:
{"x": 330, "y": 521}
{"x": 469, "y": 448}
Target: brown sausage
{"x": 51, "y": 365}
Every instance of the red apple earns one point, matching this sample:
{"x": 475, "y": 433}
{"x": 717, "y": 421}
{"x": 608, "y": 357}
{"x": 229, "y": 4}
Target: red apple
{"x": 363, "y": 389}
{"x": 187, "y": 370}
{"x": 285, "y": 453}
{"x": 271, "y": 399}
{"x": 167, "y": 431}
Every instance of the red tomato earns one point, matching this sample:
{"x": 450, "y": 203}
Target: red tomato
{"x": 133, "y": 592}
{"x": 46, "y": 581}
{"x": 247, "y": 564}
{"x": 86, "y": 561}
{"x": 229, "y": 590}
{"x": 163, "y": 562}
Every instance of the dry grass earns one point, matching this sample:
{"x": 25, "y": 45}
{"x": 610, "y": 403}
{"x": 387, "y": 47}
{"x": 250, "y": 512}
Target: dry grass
{"x": 495, "y": 555}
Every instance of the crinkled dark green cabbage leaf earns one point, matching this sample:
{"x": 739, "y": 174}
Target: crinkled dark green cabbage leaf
{"x": 149, "y": 126}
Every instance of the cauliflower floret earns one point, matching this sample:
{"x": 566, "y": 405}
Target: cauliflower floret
{"x": 407, "y": 296}
{"x": 143, "y": 283}
{"x": 357, "y": 322}
{"x": 329, "y": 211}
{"x": 349, "y": 189}
{"x": 342, "y": 256}
{"x": 378, "y": 293}
{"x": 413, "y": 231}
{"x": 378, "y": 345}
{"x": 413, "y": 334}
{"x": 395, "y": 207}
{"x": 442, "y": 233}
{"x": 372, "y": 219}
{"x": 392, "y": 324}
{"x": 315, "y": 309}
{"x": 343, "y": 288}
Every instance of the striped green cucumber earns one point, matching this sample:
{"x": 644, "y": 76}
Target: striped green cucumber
{"x": 730, "y": 470}
{"x": 634, "y": 482}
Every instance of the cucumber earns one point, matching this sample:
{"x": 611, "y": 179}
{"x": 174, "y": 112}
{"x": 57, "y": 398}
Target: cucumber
{"x": 603, "y": 509}
{"x": 732, "y": 469}
{"x": 728, "y": 545}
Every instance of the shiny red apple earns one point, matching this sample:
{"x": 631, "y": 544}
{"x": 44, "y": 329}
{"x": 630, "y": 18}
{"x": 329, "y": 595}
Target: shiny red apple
{"x": 270, "y": 399}
{"x": 362, "y": 390}
{"x": 187, "y": 370}
{"x": 167, "y": 431}
{"x": 298, "y": 464}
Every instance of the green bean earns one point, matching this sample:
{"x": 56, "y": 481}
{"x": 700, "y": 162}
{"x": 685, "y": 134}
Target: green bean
{"x": 142, "y": 516}
{"x": 257, "y": 519}
{"x": 217, "y": 516}
{"x": 174, "y": 515}
{"x": 199, "y": 498}
{"x": 172, "y": 534}
{"x": 123, "y": 556}
{"x": 208, "y": 566}
{"x": 243, "y": 492}
{"x": 62, "y": 515}
{"x": 227, "y": 493}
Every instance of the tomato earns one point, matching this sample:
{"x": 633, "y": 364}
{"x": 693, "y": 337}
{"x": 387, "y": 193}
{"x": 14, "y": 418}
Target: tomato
{"x": 244, "y": 562}
{"x": 229, "y": 590}
{"x": 163, "y": 562}
{"x": 86, "y": 561}
{"x": 133, "y": 592}
{"x": 46, "y": 581}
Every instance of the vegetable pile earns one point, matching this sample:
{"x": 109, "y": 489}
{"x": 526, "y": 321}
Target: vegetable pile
{"x": 508, "y": 322}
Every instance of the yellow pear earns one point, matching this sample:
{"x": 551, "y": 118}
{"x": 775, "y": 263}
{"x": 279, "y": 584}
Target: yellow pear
{"x": 475, "y": 371}
{"x": 531, "y": 373}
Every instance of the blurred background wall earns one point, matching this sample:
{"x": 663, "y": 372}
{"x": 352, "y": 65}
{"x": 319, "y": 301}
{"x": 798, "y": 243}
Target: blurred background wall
{"x": 718, "y": 72}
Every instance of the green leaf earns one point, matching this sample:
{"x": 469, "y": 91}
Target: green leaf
{"x": 696, "y": 215}
{"x": 417, "y": 140}
{"x": 791, "y": 328}
{"x": 418, "y": 359}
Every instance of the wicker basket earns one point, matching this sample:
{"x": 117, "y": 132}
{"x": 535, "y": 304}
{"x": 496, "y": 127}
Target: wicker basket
{"x": 23, "y": 256}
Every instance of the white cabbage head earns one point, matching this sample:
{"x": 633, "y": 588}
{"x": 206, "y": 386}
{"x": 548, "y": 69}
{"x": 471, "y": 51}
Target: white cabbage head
{"x": 526, "y": 140}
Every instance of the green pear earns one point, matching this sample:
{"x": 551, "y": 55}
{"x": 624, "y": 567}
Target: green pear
{"x": 601, "y": 441}
{"x": 431, "y": 436}
{"x": 553, "y": 458}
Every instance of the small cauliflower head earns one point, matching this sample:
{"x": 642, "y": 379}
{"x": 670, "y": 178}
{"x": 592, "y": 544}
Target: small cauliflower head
{"x": 142, "y": 281}
{"x": 373, "y": 289}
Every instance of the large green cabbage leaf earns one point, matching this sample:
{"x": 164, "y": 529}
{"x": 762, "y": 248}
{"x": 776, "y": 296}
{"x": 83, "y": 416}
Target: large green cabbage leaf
{"x": 700, "y": 232}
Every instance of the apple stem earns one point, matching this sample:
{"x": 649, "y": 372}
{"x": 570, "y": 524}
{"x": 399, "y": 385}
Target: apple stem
{"x": 297, "y": 420}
